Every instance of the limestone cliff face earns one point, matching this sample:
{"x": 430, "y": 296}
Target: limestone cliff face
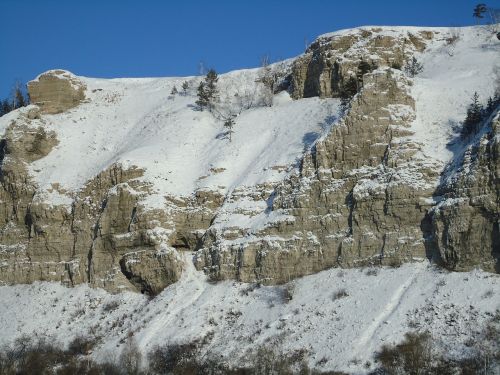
{"x": 104, "y": 237}
{"x": 329, "y": 62}
{"x": 358, "y": 198}
{"x": 101, "y": 234}
{"x": 364, "y": 194}
{"x": 465, "y": 223}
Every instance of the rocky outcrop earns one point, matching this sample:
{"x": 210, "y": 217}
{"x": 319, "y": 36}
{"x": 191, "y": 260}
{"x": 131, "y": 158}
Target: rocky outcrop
{"x": 100, "y": 235}
{"x": 56, "y": 91}
{"x": 358, "y": 199}
{"x": 363, "y": 195}
{"x": 466, "y": 221}
{"x": 151, "y": 271}
{"x": 331, "y": 61}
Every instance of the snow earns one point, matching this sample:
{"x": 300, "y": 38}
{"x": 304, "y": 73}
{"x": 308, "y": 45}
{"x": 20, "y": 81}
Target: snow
{"x": 386, "y": 30}
{"x": 136, "y": 122}
{"x": 380, "y": 306}
{"x": 444, "y": 89}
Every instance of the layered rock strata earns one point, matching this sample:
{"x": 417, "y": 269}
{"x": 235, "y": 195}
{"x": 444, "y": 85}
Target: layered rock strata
{"x": 364, "y": 194}
{"x": 465, "y": 230}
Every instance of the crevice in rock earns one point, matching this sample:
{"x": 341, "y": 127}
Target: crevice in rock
{"x": 335, "y": 79}
{"x": 72, "y": 229}
{"x": 258, "y": 267}
{"x": 429, "y": 240}
{"x": 349, "y": 201}
{"x": 28, "y": 221}
{"x": 382, "y": 249}
{"x": 387, "y": 195}
{"x": 239, "y": 262}
{"x": 3, "y": 146}
{"x": 28, "y": 218}
{"x": 181, "y": 244}
{"x": 495, "y": 240}
{"x": 132, "y": 218}
{"x": 95, "y": 234}
{"x": 385, "y": 158}
{"x": 68, "y": 270}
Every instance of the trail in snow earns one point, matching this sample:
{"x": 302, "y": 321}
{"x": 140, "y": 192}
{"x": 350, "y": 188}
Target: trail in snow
{"x": 384, "y": 316}
{"x": 239, "y": 318}
{"x": 187, "y": 290}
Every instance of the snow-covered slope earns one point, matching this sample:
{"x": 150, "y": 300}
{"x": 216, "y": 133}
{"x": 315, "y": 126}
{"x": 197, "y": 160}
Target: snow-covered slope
{"x": 137, "y": 122}
{"x": 298, "y": 184}
{"x": 452, "y": 72}
{"x": 339, "y": 317}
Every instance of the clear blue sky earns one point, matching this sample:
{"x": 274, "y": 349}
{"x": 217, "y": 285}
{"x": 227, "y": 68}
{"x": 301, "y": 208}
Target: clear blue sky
{"x": 125, "y": 38}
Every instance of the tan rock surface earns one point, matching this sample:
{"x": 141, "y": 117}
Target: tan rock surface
{"x": 56, "y": 91}
{"x": 360, "y": 196}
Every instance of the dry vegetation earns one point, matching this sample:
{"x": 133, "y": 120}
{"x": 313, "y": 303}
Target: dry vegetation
{"x": 417, "y": 354}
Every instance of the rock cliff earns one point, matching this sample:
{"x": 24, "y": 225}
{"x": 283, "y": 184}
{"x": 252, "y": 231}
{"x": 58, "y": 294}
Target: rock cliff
{"x": 364, "y": 191}
{"x": 465, "y": 222}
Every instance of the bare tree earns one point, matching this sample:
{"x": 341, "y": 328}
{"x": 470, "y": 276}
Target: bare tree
{"x": 478, "y": 12}
{"x": 270, "y": 75}
{"x": 202, "y": 70}
{"x": 494, "y": 24}
{"x": 268, "y": 79}
{"x": 131, "y": 357}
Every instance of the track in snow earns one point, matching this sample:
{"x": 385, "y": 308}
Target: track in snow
{"x": 388, "y": 311}
{"x": 187, "y": 291}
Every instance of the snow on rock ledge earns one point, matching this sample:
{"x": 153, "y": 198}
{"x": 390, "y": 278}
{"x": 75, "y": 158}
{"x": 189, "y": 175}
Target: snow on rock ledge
{"x": 55, "y": 91}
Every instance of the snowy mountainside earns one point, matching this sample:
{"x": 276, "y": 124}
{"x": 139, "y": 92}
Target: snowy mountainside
{"x": 338, "y": 318}
{"x": 451, "y": 75}
{"x": 123, "y": 185}
{"x": 138, "y": 122}
{"x": 132, "y": 167}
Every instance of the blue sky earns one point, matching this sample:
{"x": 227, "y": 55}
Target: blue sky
{"x": 125, "y": 38}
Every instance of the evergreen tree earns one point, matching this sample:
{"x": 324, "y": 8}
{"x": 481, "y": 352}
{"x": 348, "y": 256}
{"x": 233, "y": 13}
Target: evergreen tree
{"x": 490, "y": 106}
{"x": 185, "y": 87}
{"x": 203, "y": 99}
{"x": 363, "y": 68}
{"x": 474, "y": 116}
{"x": 413, "y": 67}
{"x": 19, "y": 99}
{"x": 478, "y": 11}
{"x": 174, "y": 90}
{"x": 229, "y": 124}
{"x": 5, "y": 107}
{"x": 211, "y": 88}
{"x": 208, "y": 94}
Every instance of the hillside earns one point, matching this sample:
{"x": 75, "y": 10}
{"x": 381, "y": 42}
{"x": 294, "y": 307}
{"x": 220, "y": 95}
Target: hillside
{"x": 123, "y": 185}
